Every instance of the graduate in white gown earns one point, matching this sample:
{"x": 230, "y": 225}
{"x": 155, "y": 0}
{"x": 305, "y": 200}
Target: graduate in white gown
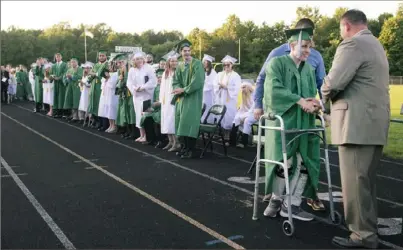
{"x": 108, "y": 103}
{"x": 48, "y": 88}
{"x": 226, "y": 89}
{"x": 208, "y": 89}
{"x": 141, "y": 82}
{"x": 167, "y": 109}
{"x": 85, "y": 93}
{"x": 32, "y": 79}
{"x": 244, "y": 117}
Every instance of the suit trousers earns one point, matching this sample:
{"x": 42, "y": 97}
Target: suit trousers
{"x": 358, "y": 167}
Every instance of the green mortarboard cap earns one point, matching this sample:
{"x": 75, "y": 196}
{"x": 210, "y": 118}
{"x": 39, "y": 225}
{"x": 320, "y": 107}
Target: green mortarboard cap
{"x": 163, "y": 59}
{"x": 159, "y": 72}
{"x": 119, "y": 56}
{"x": 293, "y": 34}
{"x": 182, "y": 44}
{"x": 104, "y": 52}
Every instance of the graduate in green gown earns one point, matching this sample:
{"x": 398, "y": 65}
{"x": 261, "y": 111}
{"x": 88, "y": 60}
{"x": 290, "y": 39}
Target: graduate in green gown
{"x": 95, "y": 91}
{"x": 72, "y": 80}
{"x": 290, "y": 87}
{"x": 126, "y": 119}
{"x": 39, "y": 75}
{"x": 58, "y": 71}
{"x": 24, "y": 91}
{"x": 188, "y": 84}
{"x": 151, "y": 121}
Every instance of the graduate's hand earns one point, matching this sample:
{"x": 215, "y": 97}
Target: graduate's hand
{"x": 178, "y": 91}
{"x": 307, "y": 106}
{"x": 156, "y": 104}
{"x": 315, "y": 102}
{"x": 257, "y": 113}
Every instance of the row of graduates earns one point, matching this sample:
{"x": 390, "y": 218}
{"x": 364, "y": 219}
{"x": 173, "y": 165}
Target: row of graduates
{"x": 17, "y": 82}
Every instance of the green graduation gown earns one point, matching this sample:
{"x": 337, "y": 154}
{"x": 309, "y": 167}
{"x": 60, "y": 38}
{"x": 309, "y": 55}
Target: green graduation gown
{"x": 285, "y": 84}
{"x": 125, "y": 113}
{"x": 39, "y": 75}
{"x": 156, "y": 113}
{"x": 73, "y": 92}
{"x": 188, "y": 105}
{"x": 95, "y": 90}
{"x": 59, "y": 86}
{"x": 24, "y": 90}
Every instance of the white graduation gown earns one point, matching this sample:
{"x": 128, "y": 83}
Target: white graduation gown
{"x": 227, "y": 97}
{"x": 136, "y": 79}
{"x": 48, "y": 92}
{"x": 32, "y": 81}
{"x": 85, "y": 95}
{"x": 167, "y": 109}
{"x": 208, "y": 95}
{"x": 108, "y": 103}
{"x": 244, "y": 111}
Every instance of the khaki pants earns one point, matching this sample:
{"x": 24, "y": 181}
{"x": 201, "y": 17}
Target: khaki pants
{"x": 358, "y": 166}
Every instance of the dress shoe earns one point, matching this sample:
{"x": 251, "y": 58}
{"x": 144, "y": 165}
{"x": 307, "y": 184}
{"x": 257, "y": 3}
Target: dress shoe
{"x": 187, "y": 155}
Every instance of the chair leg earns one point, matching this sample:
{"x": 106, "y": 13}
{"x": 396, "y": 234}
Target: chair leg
{"x": 211, "y": 144}
{"x": 252, "y": 166}
{"x": 210, "y": 138}
{"x": 204, "y": 139}
{"x": 223, "y": 143}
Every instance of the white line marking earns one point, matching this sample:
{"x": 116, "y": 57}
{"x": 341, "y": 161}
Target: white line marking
{"x": 323, "y": 183}
{"x": 79, "y": 161}
{"x": 189, "y": 169}
{"x": 94, "y": 168}
{"x": 45, "y": 216}
{"x": 153, "y": 156}
{"x": 336, "y": 151}
{"x": 137, "y": 190}
{"x": 199, "y": 173}
{"x": 12, "y": 166}
{"x": 7, "y": 175}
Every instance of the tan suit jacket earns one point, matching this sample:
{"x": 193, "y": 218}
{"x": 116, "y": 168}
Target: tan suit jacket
{"x": 358, "y": 86}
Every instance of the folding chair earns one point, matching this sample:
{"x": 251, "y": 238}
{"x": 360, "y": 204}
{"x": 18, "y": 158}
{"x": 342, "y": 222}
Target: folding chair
{"x": 212, "y": 129}
{"x": 203, "y": 109}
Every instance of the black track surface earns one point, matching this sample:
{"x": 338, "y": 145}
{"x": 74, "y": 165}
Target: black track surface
{"x": 95, "y": 211}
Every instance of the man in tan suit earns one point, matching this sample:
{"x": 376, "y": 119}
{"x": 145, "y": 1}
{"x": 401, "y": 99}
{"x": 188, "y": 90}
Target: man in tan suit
{"x": 357, "y": 86}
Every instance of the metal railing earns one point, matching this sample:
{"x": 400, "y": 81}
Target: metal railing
{"x": 395, "y": 80}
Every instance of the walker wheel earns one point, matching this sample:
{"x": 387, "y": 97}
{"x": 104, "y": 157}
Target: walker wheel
{"x": 288, "y": 228}
{"x": 337, "y": 218}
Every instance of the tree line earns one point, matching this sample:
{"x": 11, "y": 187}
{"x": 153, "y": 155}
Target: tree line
{"x": 20, "y": 46}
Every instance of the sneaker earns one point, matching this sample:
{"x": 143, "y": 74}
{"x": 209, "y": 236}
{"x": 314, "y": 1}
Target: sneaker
{"x": 297, "y": 213}
{"x": 273, "y": 208}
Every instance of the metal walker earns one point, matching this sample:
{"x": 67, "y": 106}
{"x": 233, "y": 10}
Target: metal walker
{"x": 288, "y": 226}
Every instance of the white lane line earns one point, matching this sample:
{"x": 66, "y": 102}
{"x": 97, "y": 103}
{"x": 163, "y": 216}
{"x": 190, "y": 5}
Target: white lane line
{"x": 323, "y": 183}
{"x": 181, "y": 215}
{"x": 160, "y": 159}
{"x": 336, "y": 151}
{"x": 7, "y": 175}
{"x": 79, "y": 161}
{"x": 183, "y": 167}
{"x": 12, "y": 166}
{"x": 331, "y": 164}
{"x": 45, "y": 216}
{"x": 194, "y": 171}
